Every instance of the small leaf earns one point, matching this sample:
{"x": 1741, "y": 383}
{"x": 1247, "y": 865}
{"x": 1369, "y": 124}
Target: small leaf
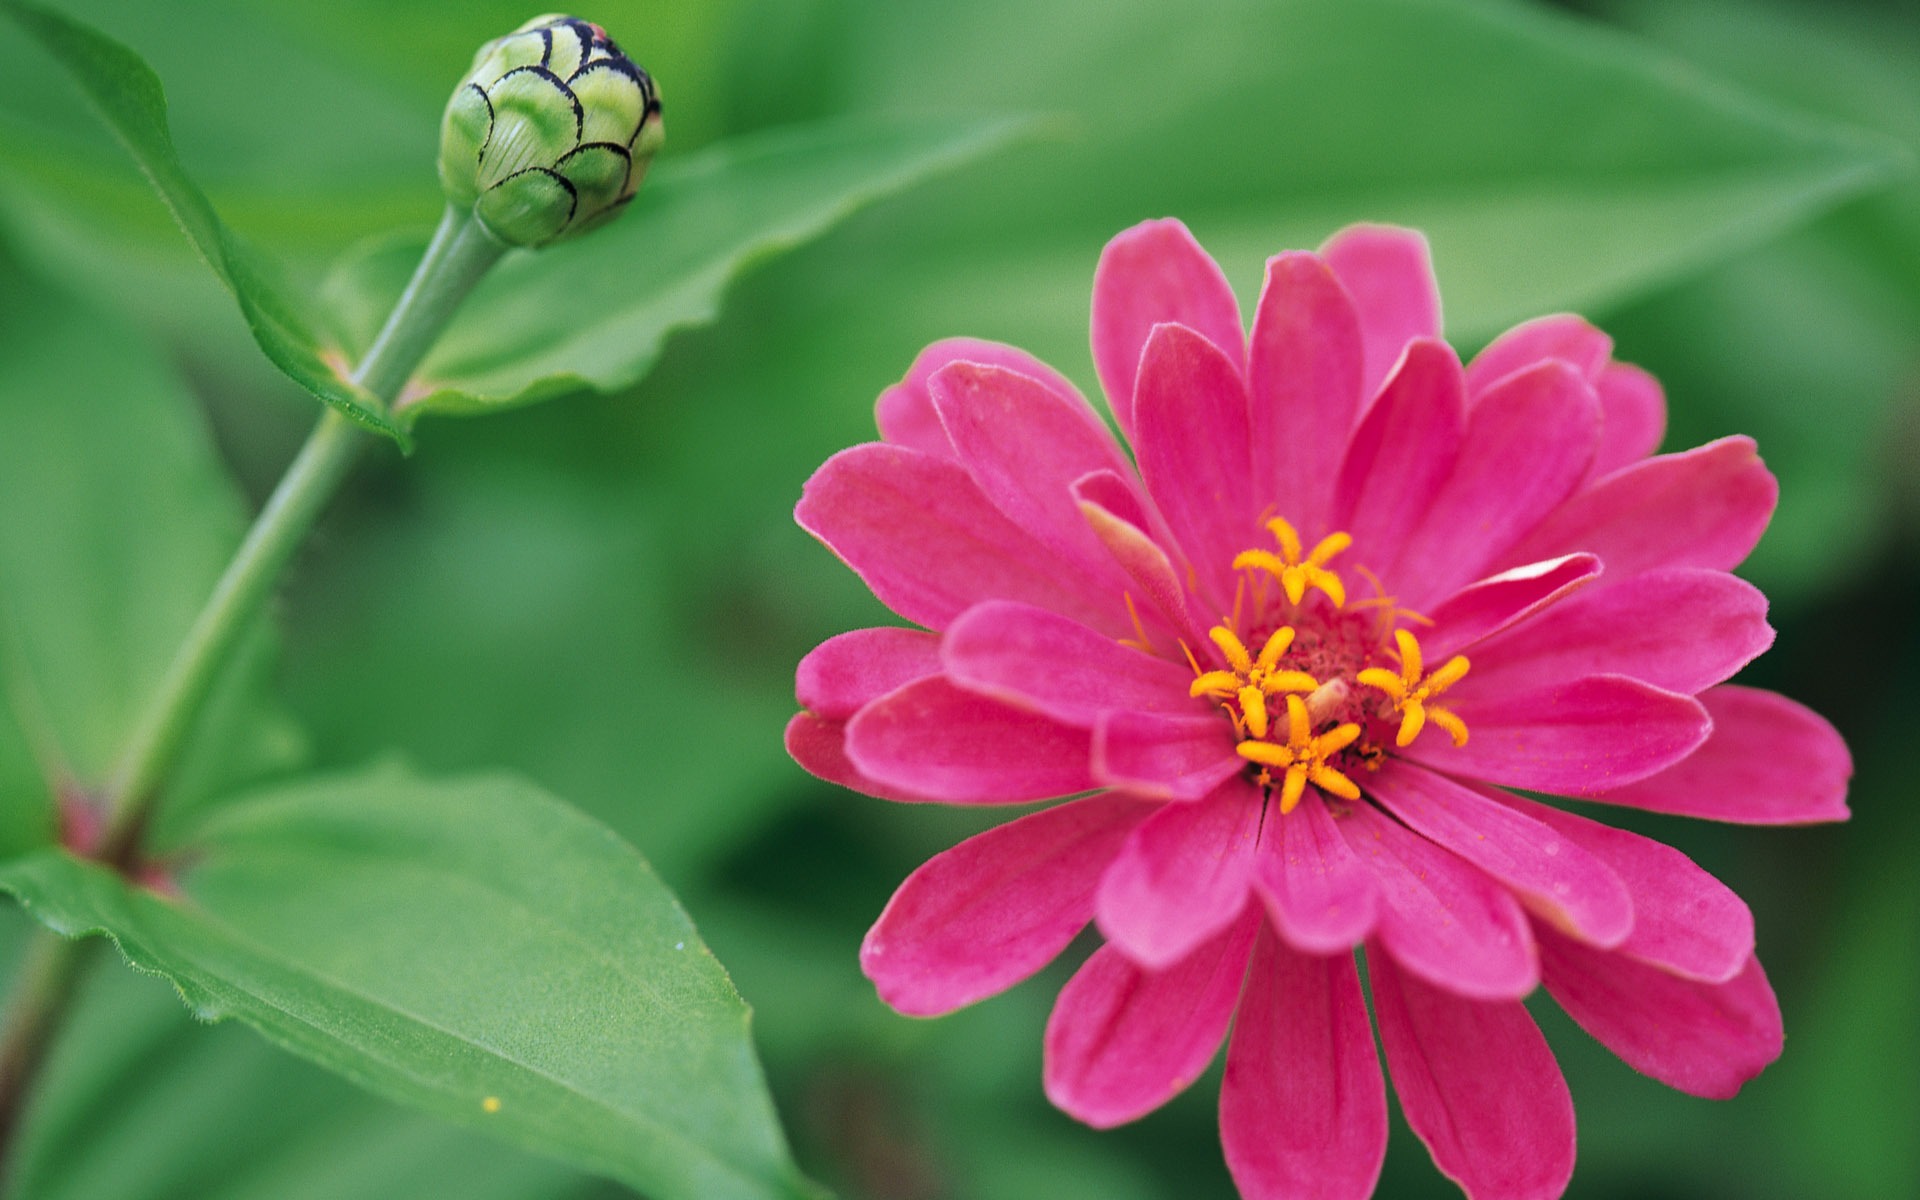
{"x": 473, "y": 948}
{"x": 139, "y": 1099}
{"x": 129, "y": 98}
{"x": 118, "y": 521}
{"x": 594, "y": 312}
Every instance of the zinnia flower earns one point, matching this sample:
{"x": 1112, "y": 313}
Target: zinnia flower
{"x": 1290, "y": 656}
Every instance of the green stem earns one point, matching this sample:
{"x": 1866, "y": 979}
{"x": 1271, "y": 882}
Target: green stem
{"x": 289, "y": 513}
{"x": 460, "y": 253}
{"x": 49, "y": 972}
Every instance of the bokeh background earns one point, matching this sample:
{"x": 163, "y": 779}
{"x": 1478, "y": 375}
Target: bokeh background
{"x": 608, "y": 593}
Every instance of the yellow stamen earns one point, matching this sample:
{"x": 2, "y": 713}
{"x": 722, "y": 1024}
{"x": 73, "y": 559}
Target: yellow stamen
{"x": 1295, "y": 571}
{"x": 1304, "y": 758}
{"x": 1243, "y": 686}
{"x": 1140, "y": 640}
{"x": 1412, "y": 690}
{"x": 1231, "y": 646}
{"x": 1253, "y": 708}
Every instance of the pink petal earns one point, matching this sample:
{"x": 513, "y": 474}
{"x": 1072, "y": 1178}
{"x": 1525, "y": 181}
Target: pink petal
{"x": 1498, "y": 601}
{"x": 1554, "y": 876}
{"x": 1303, "y": 1109}
{"x": 1441, "y": 918}
{"x": 1115, "y": 514}
{"x": 1149, "y": 275}
{"x": 1025, "y": 444}
{"x": 1770, "y": 761}
{"x": 1124, "y": 1040}
{"x": 1678, "y": 628}
{"x": 1389, "y": 273}
{"x": 1572, "y": 739}
{"x": 820, "y": 747}
{"x": 1319, "y": 894}
{"x": 1404, "y": 449}
{"x": 1528, "y": 444}
{"x": 1635, "y": 417}
{"x": 1562, "y": 337}
{"x": 905, "y": 411}
{"x": 843, "y": 673}
{"x": 1478, "y": 1085}
{"x": 1703, "y": 508}
{"x": 1706, "y": 1039}
{"x": 1182, "y": 877}
{"x": 936, "y": 740}
{"x": 978, "y": 918}
{"x": 1303, "y": 369}
{"x": 1684, "y": 920}
{"x": 1191, "y": 435}
{"x": 919, "y": 533}
{"x": 1053, "y": 665}
{"x": 1164, "y": 757}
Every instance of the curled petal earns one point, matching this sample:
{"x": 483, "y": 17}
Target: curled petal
{"x": 1499, "y": 601}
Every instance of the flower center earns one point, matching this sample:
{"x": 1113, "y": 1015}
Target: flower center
{"x": 1329, "y": 681}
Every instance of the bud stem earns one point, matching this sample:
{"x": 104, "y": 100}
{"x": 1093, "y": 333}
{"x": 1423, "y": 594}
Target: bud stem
{"x": 460, "y": 253}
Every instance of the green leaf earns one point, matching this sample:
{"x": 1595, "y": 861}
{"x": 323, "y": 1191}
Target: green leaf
{"x": 450, "y": 945}
{"x": 129, "y": 98}
{"x": 140, "y": 1100}
{"x": 593, "y": 313}
{"x": 1554, "y": 164}
{"x": 118, "y": 521}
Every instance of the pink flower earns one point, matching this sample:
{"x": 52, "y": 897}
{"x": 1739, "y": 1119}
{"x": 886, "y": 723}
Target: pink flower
{"x": 1290, "y": 655}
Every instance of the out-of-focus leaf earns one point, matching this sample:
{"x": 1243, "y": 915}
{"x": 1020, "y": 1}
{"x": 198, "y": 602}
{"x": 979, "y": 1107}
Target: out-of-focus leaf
{"x": 129, "y": 98}
{"x": 118, "y": 521}
{"x": 594, "y": 312}
{"x": 139, "y": 1100}
{"x": 1812, "y": 344}
{"x": 476, "y": 949}
{"x": 1554, "y": 163}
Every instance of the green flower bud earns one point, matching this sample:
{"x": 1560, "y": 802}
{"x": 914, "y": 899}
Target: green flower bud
{"x": 550, "y": 133}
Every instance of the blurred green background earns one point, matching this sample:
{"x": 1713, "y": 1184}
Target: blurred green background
{"x": 608, "y": 593}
